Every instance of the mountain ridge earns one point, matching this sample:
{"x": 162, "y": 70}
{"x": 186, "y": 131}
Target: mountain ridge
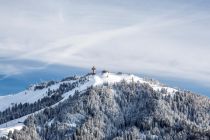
{"x": 75, "y": 87}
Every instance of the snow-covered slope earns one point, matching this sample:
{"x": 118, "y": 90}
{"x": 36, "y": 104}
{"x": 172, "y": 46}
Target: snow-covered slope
{"x": 30, "y": 95}
{"x": 114, "y": 78}
{"x": 12, "y": 125}
{"x": 27, "y": 96}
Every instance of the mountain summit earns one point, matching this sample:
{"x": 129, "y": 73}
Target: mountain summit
{"x": 104, "y": 106}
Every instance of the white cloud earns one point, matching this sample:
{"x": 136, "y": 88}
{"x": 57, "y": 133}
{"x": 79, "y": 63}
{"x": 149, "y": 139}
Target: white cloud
{"x": 161, "y": 38}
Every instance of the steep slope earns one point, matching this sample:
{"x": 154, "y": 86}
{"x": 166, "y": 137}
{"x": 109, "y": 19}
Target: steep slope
{"x": 112, "y": 106}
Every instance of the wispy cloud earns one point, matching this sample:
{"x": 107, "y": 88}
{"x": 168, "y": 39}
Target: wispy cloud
{"x": 168, "y": 38}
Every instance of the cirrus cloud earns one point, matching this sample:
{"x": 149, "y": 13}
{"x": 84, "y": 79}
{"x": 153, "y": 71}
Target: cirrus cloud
{"x": 168, "y": 38}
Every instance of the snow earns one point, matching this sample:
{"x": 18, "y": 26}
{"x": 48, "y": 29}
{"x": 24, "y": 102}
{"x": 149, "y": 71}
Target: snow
{"x": 26, "y": 96}
{"x": 143, "y": 136}
{"x": 50, "y": 122}
{"x": 170, "y": 91}
{"x": 96, "y": 80}
{"x": 71, "y": 93}
{"x": 12, "y": 125}
{"x": 30, "y": 96}
{"x": 114, "y": 78}
{"x": 73, "y": 125}
{"x": 5, "y": 131}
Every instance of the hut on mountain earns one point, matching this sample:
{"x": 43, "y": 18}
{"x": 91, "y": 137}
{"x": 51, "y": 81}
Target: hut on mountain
{"x": 104, "y": 71}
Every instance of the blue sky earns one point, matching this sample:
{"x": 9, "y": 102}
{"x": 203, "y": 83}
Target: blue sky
{"x": 160, "y": 38}
{"x": 15, "y": 83}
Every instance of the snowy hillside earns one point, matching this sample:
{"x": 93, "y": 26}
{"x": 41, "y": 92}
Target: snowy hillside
{"x": 31, "y": 95}
{"x": 18, "y": 108}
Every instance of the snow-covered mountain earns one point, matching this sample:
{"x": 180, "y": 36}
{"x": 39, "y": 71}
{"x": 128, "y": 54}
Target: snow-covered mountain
{"x": 104, "y": 106}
